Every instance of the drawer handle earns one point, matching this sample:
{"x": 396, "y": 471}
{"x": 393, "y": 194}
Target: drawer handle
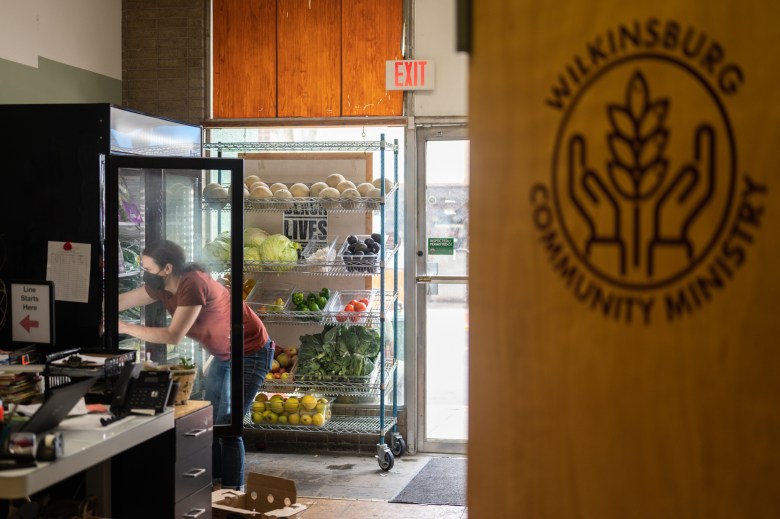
{"x": 194, "y": 473}
{"x": 195, "y": 432}
{"x": 195, "y": 512}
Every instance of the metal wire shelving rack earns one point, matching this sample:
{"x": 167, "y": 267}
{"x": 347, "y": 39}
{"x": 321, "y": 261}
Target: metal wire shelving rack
{"x": 384, "y": 379}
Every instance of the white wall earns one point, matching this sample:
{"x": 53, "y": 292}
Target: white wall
{"x": 86, "y": 34}
{"x": 435, "y": 39}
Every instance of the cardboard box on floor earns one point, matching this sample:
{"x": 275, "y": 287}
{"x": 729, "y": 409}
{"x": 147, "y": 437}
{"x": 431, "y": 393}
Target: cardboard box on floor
{"x": 266, "y": 497}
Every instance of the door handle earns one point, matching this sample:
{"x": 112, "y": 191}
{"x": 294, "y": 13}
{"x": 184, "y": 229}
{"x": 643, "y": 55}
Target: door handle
{"x": 194, "y": 473}
{"x": 441, "y": 279}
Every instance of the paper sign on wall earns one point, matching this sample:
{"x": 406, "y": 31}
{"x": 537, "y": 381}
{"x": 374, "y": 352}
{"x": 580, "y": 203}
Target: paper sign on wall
{"x": 67, "y": 265}
{"x": 31, "y": 312}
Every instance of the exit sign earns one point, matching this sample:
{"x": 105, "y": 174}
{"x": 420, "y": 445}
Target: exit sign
{"x": 414, "y": 74}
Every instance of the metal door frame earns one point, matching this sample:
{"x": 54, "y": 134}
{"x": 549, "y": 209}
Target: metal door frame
{"x": 444, "y": 131}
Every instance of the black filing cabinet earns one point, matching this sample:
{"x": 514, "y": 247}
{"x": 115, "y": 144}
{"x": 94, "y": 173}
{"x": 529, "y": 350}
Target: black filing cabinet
{"x": 176, "y": 480}
{"x": 194, "y": 434}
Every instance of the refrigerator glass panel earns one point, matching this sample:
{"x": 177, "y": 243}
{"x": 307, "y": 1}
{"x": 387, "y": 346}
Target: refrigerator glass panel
{"x": 166, "y": 204}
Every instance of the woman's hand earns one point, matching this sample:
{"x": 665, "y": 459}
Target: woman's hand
{"x": 122, "y": 327}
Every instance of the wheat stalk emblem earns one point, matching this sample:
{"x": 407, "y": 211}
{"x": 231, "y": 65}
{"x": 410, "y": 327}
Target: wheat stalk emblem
{"x": 637, "y": 177}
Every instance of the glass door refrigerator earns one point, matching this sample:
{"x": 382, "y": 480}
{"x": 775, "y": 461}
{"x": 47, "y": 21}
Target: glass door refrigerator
{"x": 113, "y": 180}
{"x": 160, "y": 198}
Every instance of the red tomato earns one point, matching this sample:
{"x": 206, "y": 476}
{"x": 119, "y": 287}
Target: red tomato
{"x": 360, "y": 306}
{"x": 341, "y": 317}
{"x": 352, "y": 302}
{"x": 364, "y": 301}
{"x": 349, "y": 308}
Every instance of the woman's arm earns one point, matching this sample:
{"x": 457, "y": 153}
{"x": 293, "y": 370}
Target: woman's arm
{"x": 181, "y": 322}
{"x": 135, "y": 297}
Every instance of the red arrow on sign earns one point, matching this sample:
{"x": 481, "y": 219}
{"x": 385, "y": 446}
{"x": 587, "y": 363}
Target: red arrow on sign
{"x": 27, "y": 323}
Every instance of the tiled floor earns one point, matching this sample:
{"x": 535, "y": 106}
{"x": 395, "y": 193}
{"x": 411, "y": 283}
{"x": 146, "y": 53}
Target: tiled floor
{"x": 350, "y": 486}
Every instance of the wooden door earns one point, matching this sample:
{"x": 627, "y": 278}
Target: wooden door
{"x": 624, "y": 260}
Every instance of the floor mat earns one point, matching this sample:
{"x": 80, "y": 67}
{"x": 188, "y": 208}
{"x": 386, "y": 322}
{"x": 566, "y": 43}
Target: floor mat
{"x": 442, "y": 481}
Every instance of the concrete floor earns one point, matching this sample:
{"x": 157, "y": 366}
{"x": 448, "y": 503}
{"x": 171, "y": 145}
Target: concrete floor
{"x": 345, "y": 486}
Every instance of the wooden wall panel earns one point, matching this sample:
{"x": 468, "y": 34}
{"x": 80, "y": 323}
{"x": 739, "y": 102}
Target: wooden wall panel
{"x": 371, "y": 34}
{"x": 309, "y": 58}
{"x": 244, "y": 58}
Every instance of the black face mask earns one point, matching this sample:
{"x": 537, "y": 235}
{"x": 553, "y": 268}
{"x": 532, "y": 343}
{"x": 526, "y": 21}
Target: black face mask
{"x": 154, "y": 281}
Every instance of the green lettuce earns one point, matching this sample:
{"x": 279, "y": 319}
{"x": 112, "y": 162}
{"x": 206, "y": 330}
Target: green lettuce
{"x": 278, "y": 248}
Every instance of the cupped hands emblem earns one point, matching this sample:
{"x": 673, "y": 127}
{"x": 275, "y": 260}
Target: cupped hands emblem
{"x": 643, "y": 184}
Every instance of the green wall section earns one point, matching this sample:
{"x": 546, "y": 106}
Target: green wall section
{"x": 54, "y": 82}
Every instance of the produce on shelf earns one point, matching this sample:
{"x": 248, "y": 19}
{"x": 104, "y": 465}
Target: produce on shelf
{"x": 341, "y": 351}
{"x": 292, "y": 410}
{"x": 353, "y": 310}
{"x": 377, "y": 182}
{"x": 311, "y": 302}
{"x": 250, "y": 180}
{"x": 218, "y": 249}
{"x": 247, "y": 287}
{"x": 299, "y": 190}
{"x": 316, "y": 188}
{"x": 278, "y": 248}
{"x": 334, "y": 179}
{"x": 321, "y": 257}
{"x": 283, "y": 363}
{"x": 254, "y": 236}
{"x": 215, "y": 191}
{"x": 360, "y": 254}
{"x": 260, "y": 191}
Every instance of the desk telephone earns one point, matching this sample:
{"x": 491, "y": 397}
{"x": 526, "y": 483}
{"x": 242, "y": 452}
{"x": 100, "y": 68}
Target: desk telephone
{"x": 139, "y": 392}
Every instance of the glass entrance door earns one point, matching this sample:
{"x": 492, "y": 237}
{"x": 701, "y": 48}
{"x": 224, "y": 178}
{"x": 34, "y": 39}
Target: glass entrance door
{"x": 442, "y": 289}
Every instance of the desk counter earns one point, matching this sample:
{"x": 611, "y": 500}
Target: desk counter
{"x": 86, "y": 444}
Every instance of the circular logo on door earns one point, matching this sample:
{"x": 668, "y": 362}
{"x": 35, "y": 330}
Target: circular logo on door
{"x": 646, "y": 215}
{"x": 644, "y": 171}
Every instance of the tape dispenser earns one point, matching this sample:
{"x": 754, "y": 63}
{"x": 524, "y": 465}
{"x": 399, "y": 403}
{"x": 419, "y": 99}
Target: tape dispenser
{"x": 50, "y": 447}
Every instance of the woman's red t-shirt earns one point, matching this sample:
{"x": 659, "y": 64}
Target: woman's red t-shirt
{"x": 212, "y": 326}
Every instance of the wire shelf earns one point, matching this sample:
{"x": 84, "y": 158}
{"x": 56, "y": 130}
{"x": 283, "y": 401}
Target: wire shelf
{"x": 369, "y": 318}
{"x": 336, "y": 204}
{"x": 345, "y": 386}
{"x": 338, "y": 424}
{"x": 335, "y": 267}
{"x": 301, "y": 146}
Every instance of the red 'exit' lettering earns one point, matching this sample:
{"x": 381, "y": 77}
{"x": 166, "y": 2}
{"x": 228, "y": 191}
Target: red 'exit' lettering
{"x": 410, "y": 73}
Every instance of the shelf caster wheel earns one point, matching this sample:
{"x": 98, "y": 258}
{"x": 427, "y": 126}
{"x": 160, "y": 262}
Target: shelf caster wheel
{"x": 385, "y": 458}
{"x": 397, "y": 445}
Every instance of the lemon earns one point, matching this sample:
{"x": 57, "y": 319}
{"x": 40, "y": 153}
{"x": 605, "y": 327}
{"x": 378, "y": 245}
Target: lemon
{"x": 261, "y": 397}
{"x": 291, "y": 405}
{"x": 309, "y": 402}
{"x": 276, "y": 404}
{"x": 257, "y": 417}
{"x": 283, "y": 419}
{"x": 294, "y": 419}
{"x": 272, "y": 417}
{"x": 318, "y": 420}
{"x": 306, "y": 420}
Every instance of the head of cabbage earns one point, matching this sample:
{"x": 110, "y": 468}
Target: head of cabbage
{"x": 251, "y": 254}
{"x": 278, "y": 248}
{"x": 216, "y": 250}
{"x": 254, "y": 236}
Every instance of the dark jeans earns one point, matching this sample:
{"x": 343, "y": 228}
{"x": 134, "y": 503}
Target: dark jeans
{"x": 228, "y": 452}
